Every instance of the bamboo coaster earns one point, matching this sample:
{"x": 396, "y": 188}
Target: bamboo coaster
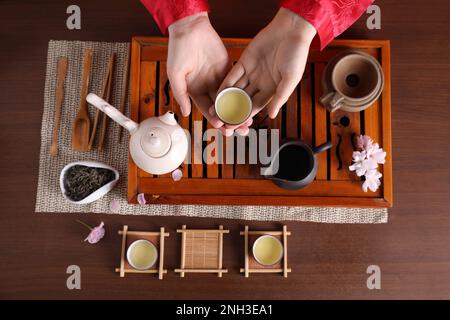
{"x": 250, "y": 263}
{"x": 128, "y": 237}
{"x": 201, "y": 251}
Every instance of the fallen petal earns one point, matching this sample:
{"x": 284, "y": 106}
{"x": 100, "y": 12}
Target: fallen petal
{"x": 114, "y": 205}
{"x": 141, "y": 198}
{"x": 177, "y": 174}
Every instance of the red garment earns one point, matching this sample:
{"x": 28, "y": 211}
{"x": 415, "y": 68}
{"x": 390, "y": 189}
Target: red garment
{"x": 166, "y": 12}
{"x": 329, "y": 17}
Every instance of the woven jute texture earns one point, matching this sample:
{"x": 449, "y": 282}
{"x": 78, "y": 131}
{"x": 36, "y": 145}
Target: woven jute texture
{"x": 49, "y": 197}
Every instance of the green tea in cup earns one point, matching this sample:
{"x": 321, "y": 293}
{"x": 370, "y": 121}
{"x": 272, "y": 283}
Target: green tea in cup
{"x": 233, "y": 106}
{"x": 142, "y": 254}
{"x": 267, "y": 250}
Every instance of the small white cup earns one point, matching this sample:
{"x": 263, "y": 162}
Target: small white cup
{"x": 228, "y": 91}
{"x": 151, "y": 246}
{"x": 258, "y": 259}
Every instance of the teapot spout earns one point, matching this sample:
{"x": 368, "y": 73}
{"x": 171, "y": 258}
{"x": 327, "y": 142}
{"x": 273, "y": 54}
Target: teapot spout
{"x": 169, "y": 118}
{"x": 112, "y": 112}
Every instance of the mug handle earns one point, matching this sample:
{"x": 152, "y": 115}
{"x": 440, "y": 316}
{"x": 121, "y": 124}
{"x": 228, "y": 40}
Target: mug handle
{"x": 332, "y": 101}
{"x": 323, "y": 147}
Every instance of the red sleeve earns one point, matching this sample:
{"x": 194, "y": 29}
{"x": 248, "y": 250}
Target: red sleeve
{"x": 329, "y": 17}
{"x": 166, "y": 12}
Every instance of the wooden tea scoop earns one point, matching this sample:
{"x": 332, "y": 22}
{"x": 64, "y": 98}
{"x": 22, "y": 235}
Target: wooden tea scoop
{"x": 60, "y": 79}
{"x": 81, "y": 125}
{"x": 106, "y": 83}
{"x": 123, "y": 96}
{"x": 101, "y": 140}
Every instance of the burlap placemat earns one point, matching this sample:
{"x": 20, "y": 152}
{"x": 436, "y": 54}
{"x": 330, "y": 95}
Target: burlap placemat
{"x": 49, "y": 197}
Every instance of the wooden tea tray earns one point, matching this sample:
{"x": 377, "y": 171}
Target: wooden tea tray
{"x": 303, "y": 118}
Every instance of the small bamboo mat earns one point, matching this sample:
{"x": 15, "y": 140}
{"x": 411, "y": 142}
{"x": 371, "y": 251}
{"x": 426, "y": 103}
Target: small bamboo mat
{"x": 49, "y": 197}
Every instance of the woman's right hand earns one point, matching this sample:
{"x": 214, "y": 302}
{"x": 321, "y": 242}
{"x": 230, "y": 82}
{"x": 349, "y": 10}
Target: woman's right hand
{"x": 197, "y": 63}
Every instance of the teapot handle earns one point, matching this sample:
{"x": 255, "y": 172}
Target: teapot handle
{"x": 112, "y": 112}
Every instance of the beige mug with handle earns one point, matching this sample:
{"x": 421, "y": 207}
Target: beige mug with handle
{"x": 352, "y": 81}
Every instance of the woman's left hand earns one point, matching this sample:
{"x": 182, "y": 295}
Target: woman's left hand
{"x": 273, "y": 63}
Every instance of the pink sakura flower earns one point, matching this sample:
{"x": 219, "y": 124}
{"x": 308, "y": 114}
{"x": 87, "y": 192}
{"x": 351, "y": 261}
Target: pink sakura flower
{"x": 365, "y": 162}
{"x": 96, "y": 233}
{"x": 361, "y": 164}
{"x": 372, "y": 181}
{"x": 377, "y": 154}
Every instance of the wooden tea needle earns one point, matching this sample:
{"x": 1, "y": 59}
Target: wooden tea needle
{"x": 106, "y": 84}
{"x": 108, "y": 95}
{"x": 61, "y": 77}
{"x": 123, "y": 97}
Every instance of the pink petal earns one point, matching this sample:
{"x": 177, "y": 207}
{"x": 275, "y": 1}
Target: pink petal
{"x": 114, "y": 205}
{"x": 177, "y": 174}
{"x": 379, "y": 156}
{"x": 96, "y": 234}
{"x": 141, "y": 198}
{"x": 359, "y": 156}
{"x": 372, "y": 181}
{"x": 364, "y": 142}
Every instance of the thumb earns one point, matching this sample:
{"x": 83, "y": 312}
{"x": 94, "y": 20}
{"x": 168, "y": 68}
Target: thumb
{"x": 284, "y": 90}
{"x": 179, "y": 91}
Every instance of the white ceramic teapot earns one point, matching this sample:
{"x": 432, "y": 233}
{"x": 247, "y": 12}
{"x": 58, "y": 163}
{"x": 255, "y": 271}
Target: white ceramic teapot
{"x": 158, "y": 145}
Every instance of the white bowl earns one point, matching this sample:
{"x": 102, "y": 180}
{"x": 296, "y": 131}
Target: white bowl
{"x": 151, "y": 263}
{"x": 97, "y": 194}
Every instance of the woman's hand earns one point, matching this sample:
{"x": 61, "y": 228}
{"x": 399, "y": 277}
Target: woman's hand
{"x": 197, "y": 63}
{"x": 273, "y": 63}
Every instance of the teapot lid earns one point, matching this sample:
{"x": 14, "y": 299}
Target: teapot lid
{"x": 156, "y": 142}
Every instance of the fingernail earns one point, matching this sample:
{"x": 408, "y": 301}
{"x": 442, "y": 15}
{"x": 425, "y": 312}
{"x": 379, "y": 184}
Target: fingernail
{"x": 242, "y": 132}
{"x": 228, "y": 132}
{"x": 216, "y": 123}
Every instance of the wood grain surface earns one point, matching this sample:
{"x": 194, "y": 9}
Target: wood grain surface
{"x": 327, "y": 261}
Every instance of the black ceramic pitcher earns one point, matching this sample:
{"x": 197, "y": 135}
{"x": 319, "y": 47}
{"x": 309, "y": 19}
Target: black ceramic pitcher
{"x": 294, "y": 165}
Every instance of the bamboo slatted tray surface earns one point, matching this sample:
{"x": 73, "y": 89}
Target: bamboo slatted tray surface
{"x": 201, "y": 251}
{"x": 303, "y": 117}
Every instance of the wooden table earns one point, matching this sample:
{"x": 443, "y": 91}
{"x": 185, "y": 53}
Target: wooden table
{"x": 328, "y": 261}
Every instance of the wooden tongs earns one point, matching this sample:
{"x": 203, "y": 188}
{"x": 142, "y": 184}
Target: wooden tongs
{"x": 105, "y": 94}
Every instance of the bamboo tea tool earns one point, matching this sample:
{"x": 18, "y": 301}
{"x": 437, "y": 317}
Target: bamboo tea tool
{"x": 128, "y": 237}
{"x": 201, "y": 251}
{"x": 61, "y": 77}
{"x": 250, "y": 263}
{"x": 81, "y": 125}
{"x": 105, "y": 94}
{"x": 123, "y": 96}
{"x": 101, "y": 141}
